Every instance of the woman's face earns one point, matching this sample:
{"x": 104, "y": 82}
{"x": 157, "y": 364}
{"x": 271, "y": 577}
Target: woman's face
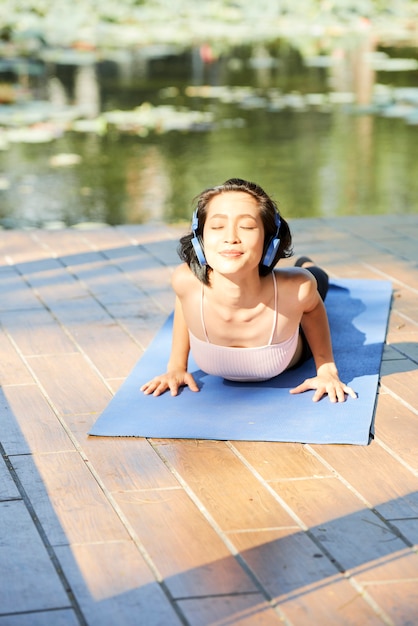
{"x": 233, "y": 234}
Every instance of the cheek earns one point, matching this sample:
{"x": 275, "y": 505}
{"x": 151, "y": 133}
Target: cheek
{"x": 209, "y": 246}
{"x": 258, "y": 246}
{"x": 210, "y": 251}
{"x": 210, "y": 238}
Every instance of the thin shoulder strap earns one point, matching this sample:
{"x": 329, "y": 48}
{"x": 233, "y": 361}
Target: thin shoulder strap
{"x": 202, "y": 317}
{"x": 275, "y": 309}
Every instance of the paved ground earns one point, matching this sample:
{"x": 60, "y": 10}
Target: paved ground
{"x": 97, "y": 531}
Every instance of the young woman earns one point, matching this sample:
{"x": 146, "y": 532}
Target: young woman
{"x": 241, "y": 318}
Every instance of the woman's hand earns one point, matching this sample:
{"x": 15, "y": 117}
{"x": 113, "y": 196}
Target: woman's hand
{"x": 172, "y": 380}
{"x": 326, "y": 382}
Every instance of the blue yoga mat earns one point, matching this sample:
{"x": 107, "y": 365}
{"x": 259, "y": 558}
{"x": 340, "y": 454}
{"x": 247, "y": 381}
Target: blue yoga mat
{"x": 358, "y": 313}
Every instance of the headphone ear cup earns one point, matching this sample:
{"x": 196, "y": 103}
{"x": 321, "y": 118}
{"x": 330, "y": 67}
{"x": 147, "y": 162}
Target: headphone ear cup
{"x": 271, "y": 252}
{"x": 195, "y": 240}
{"x": 273, "y": 245}
{"x": 199, "y": 251}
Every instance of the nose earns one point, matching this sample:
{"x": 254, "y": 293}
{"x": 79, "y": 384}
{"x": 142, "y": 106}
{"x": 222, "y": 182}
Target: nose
{"x": 231, "y": 233}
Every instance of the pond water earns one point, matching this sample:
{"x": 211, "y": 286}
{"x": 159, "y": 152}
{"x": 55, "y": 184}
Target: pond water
{"x": 324, "y": 138}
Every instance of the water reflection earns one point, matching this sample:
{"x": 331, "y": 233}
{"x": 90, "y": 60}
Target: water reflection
{"x": 321, "y": 132}
{"x": 351, "y": 70}
{"x": 148, "y": 186}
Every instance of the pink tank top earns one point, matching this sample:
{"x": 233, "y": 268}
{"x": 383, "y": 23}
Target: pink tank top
{"x": 244, "y": 364}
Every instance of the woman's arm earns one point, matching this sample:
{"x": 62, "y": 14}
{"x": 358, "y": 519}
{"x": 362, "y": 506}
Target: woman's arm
{"x": 316, "y": 328}
{"x": 177, "y": 375}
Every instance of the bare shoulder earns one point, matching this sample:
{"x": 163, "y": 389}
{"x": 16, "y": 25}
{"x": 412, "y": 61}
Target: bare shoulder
{"x": 298, "y": 281}
{"x": 183, "y": 280}
{"x": 296, "y": 276}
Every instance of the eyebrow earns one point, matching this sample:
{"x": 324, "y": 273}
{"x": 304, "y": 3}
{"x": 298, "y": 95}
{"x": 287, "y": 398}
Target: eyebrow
{"x": 223, "y": 215}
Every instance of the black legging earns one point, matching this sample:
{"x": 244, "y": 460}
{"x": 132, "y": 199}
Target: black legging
{"x": 322, "y": 281}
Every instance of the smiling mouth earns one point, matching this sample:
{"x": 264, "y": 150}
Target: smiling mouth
{"x": 231, "y": 254}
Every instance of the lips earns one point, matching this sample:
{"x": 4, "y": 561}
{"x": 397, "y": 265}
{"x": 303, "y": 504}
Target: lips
{"x": 231, "y": 254}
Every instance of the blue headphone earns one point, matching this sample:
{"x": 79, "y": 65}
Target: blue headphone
{"x": 273, "y": 245}
{"x": 268, "y": 257}
{"x": 196, "y": 240}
